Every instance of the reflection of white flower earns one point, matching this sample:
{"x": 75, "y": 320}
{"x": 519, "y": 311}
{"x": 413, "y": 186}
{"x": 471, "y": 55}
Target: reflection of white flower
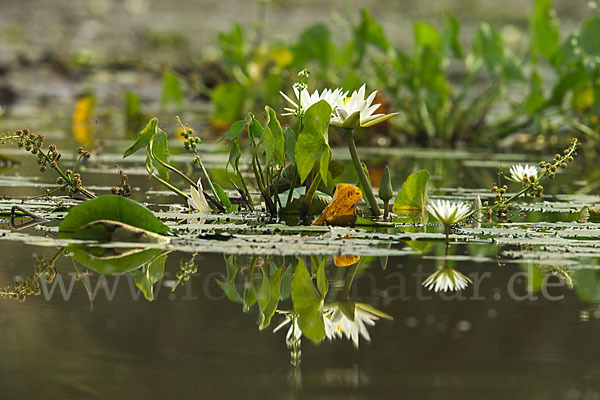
{"x": 446, "y": 212}
{"x": 445, "y": 279}
{"x": 334, "y": 98}
{"x": 518, "y": 172}
{"x": 294, "y": 330}
{"x": 357, "y": 111}
{"x": 198, "y": 201}
{"x": 337, "y": 323}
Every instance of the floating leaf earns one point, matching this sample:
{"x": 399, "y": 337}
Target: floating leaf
{"x": 112, "y": 208}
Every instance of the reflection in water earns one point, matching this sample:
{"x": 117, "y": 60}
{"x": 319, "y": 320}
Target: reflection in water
{"x": 350, "y": 319}
{"x": 446, "y": 278}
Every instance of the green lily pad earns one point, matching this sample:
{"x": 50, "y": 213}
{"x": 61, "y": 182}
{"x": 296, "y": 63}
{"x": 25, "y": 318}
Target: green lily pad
{"x": 111, "y": 208}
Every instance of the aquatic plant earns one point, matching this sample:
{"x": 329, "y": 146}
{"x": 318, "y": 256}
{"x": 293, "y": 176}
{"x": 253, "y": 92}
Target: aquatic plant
{"x": 69, "y": 179}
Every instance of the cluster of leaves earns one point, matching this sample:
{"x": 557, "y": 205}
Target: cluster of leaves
{"x": 277, "y": 284}
{"x": 68, "y": 180}
{"x": 281, "y": 158}
{"x": 444, "y": 88}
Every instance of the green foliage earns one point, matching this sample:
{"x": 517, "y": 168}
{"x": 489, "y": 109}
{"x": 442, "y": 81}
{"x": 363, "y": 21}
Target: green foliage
{"x": 112, "y": 208}
{"x": 308, "y": 303}
{"x": 413, "y": 195}
{"x": 148, "y": 275}
{"x": 312, "y": 146}
{"x": 228, "y": 99}
{"x": 171, "y": 90}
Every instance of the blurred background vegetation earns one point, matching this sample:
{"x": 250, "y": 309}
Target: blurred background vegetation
{"x": 460, "y": 72}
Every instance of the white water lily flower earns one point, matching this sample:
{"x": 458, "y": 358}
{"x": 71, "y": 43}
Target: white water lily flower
{"x": 198, "y": 201}
{"x": 445, "y": 279}
{"x": 518, "y": 172}
{"x": 337, "y": 323}
{"x": 357, "y": 111}
{"x": 334, "y": 98}
{"x": 447, "y": 212}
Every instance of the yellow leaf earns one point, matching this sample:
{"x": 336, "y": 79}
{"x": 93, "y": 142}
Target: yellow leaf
{"x": 342, "y": 209}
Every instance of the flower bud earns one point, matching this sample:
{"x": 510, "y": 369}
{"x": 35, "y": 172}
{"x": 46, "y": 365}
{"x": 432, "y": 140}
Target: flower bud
{"x": 386, "y": 192}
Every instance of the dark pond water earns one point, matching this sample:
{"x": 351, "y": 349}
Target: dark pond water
{"x": 493, "y": 340}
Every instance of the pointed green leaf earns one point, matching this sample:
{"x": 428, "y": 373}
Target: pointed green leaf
{"x": 160, "y": 150}
{"x": 322, "y": 282}
{"x": 230, "y": 291}
{"x": 308, "y": 304}
{"x": 144, "y": 137}
{"x": 234, "y": 130}
{"x": 413, "y": 195}
{"x": 289, "y": 140}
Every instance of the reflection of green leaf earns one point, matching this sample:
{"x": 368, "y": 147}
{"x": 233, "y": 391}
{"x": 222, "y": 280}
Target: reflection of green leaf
{"x": 307, "y": 303}
{"x": 413, "y": 195}
{"x": 249, "y": 297}
{"x": 148, "y": 275}
{"x": 286, "y": 283}
{"x": 587, "y": 284}
{"x": 112, "y": 208}
{"x": 347, "y": 308}
{"x": 114, "y": 231}
{"x": 322, "y": 282}
{"x": 268, "y": 307}
{"x": 231, "y": 267}
{"x": 110, "y": 261}
{"x": 314, "y": 140}
{"x": 230, "y": 291}
{"x": 535, "y": 278}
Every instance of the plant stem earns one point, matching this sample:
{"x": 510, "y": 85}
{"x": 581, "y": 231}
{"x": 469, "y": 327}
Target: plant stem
{"x": 386, "y": 209}
{"x": 361, "y": 174}
{"x": 447, "y": 231}
{"x": 309, "y": 195}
